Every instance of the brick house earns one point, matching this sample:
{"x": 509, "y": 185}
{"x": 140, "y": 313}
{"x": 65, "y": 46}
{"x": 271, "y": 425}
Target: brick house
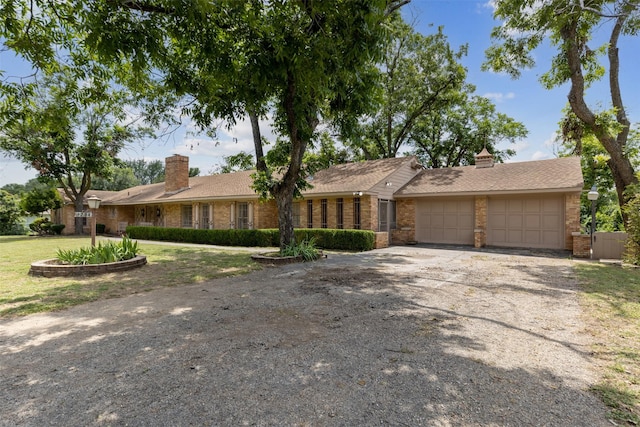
{"x": 528, "y": 204}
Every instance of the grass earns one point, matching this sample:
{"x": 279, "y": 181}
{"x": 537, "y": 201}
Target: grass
{"x": 22, "y": 294}
{"x": 611, "y": 300}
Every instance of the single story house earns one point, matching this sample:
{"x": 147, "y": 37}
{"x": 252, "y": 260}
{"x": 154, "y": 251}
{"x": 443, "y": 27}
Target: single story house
{"x": 532, "y": 204}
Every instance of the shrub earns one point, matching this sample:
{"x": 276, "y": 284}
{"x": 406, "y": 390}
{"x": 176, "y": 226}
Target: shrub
{"x": 354, "y": 240}
{"x": 306, "y": 249}
{"x": 44, "y": 226}
{"x": 632, "y": 245}
{"x": 41, "y": 226}
{"x": 100, "y": 228}
{"x": 100, "y": 254}
{"x": 57, "y": 228}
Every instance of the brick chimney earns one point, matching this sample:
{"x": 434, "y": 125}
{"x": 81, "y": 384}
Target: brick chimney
{"x": 176, "y": 173}
{"x": 484, "y": 159}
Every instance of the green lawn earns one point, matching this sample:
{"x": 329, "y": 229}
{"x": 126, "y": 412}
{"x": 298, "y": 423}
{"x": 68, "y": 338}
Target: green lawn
{"x": 22, "y": 294}
{"x": 611, "y": 300}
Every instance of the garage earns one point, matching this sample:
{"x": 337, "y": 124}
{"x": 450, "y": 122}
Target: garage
{"x": 528, "y": 222}
{"x": 440, "y": 220}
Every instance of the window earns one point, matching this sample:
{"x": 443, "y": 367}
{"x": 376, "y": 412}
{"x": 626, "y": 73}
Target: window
{"x": 340, "y": 213}
{"x": 204, "y": 216}
{"x": 356, "y": 213}
{"x": 309, "y": 213}
{"x": 243, "y": 216}
{"x": 296, "y": 214}
{"x": 392, "y": 215}
{"x": 187, "y": 216}
{"x": 383, "y": 211}
{"x": 323, "y": 213}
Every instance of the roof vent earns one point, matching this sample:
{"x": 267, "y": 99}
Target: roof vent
{"x": 484, "y": 159}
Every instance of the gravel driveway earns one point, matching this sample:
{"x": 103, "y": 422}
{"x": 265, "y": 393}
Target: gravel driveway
{"x": 401, "y": 336}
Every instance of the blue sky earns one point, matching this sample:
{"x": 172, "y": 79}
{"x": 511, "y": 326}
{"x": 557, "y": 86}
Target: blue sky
{"x": 464, "y": 21}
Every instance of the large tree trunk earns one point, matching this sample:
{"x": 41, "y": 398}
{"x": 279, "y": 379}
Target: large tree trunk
{"x": 619, "y": 164}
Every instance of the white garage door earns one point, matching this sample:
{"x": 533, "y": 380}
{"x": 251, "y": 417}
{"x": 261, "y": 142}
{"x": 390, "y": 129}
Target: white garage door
{"x": 531, "y": 222}
{"x": 445, "y": 221}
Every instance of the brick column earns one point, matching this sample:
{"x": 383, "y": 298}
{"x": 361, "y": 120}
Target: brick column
{"x": 480, "y": 227}
{"x": 571, "y": 219}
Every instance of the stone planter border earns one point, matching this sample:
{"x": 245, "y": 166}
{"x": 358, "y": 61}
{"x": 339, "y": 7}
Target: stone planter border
{"x": 276, "y": 260}
{"x": 51, "y": 267}
{"x": 280, "y": 260}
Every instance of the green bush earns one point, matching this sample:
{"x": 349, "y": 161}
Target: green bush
{"x": 354, "y": 240}
{"x": 57, "y": 228}
{"x": 41, "y": 225}
{"x": 100, "y": 254}
{"x": 44, "y": 226}
{"x": 306, "y": 249}
{"x": 100, "y": 228}
{"x": 632, "y": 245}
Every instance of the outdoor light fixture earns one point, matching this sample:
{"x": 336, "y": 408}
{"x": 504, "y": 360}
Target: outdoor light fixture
{"x": 357, "y": 193}
{"x": 593, "y": 196}
{"x": 94, "y": 204}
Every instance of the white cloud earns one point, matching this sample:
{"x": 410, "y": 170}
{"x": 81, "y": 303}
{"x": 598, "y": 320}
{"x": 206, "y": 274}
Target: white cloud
{"x": 540, "y": 155}
{"x": 551, "y": 141}
{"x": 499, "y": 96}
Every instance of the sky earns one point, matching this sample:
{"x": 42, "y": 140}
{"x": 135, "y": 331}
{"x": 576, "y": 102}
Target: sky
{"x": 464, "y": 22}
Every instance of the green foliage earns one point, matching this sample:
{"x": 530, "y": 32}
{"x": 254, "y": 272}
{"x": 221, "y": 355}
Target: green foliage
{"x": 100, "y": 254}
{"x": 570, "y": 27}
{"x": 43, "y": 226}
{"x": 10, "y": 214}
{"x": 41, "y": 200}
{"x": 236, "y": 162}
{"x": 66, "y": 128}
{"x": 327, "y": 238}
{"x": 632, "y": 245}
{"x": 121, "y": 178}
{"x": 146, "y": 172}
{"x": 357, "y": 240}
{"x": 306, "y": 249}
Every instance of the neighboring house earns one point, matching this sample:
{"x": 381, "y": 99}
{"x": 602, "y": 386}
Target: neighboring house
{"x": 528, "y": 204}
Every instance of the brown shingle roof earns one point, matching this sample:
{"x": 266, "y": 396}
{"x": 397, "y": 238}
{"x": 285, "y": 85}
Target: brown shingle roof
{"x": 560, "y": 174}
{"x": 350, "y": 177}
{"x": 222, "y": 186}
{"x": 345, "y": 178}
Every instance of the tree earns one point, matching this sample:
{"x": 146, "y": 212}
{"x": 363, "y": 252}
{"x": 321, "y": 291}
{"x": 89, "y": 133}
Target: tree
{"x": 569, "y": 25}
{"x": 420, "y": 76}
{"x": 121, "y": 178}
{"x": 326, "y": 155}
{"x": 41, "y": 199}
{"x": 242, "y": 161}
{"x": 10, "y": 214}
{"x": 454, "y": 135}
{"x": 65, "y": 128}
{"x": 146, "y": 172}
{"x": 304, "y": 60}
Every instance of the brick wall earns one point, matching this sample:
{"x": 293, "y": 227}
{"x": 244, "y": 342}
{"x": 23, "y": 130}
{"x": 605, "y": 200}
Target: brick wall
{"x": 382, "y": 240}
{"x": 265, "y": 214}
{"x": 480, "y": 225}
{"x": 571, "y": 218}
{"x": 405, "y": 222}
{"x": 581, "y": 245}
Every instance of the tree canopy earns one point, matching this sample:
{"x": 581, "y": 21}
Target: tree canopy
{"x": 68, "y": 130}
{"x": 569, "y": 27}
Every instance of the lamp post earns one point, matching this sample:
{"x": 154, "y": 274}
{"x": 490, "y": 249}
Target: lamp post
{"x": 593, "y": 196}
{"x": 94, "y": 204}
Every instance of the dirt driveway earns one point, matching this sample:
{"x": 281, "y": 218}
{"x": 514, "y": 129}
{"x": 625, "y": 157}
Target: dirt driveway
{"x": 401, "y": 336}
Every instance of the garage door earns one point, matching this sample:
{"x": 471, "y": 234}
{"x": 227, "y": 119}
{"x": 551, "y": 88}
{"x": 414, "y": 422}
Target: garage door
{"x": 532, "y": 222}
{"x": 445, "y": 221}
